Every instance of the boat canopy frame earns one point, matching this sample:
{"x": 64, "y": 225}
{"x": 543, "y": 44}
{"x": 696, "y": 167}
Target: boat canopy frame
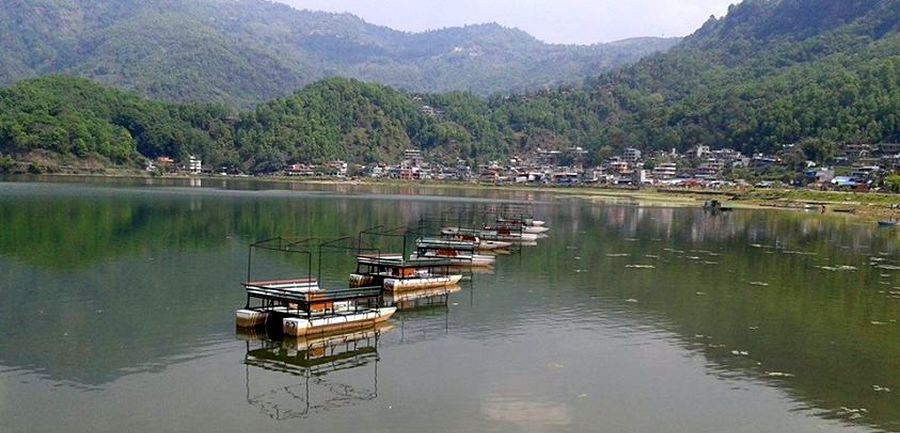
{"x": 377, "y": 263}
{"x": 274, "y": 296}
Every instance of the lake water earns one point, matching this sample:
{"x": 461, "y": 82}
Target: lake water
{"x": 117, "y": 314}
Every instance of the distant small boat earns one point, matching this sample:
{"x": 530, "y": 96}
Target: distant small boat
{"x": 459, "y": 253}
{"x": 523, "y": 225}
{"x": 887, "y": 223}
{"x": 394, "y": 274}
{"x": 715, "y": 206}
{"x": 497, "y": 234}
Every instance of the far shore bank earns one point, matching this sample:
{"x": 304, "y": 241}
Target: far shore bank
{"x": 868, "y": 205}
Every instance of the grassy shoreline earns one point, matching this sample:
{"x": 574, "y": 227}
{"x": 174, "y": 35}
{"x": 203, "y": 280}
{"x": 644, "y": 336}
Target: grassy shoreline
{"x": 874, "y": 206}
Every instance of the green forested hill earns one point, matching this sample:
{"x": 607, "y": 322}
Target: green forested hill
{"x": 73, "y": 116}
{"x": 247, "y": 51}
{"x": 772, "y": 72}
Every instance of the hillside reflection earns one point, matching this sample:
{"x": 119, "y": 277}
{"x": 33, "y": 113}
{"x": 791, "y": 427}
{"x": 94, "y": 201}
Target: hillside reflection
{"x": 101, "y": 283}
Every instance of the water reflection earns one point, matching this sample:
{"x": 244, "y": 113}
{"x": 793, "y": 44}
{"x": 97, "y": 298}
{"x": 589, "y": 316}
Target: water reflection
{"x": 297, "y": 378}
{"x": 526, "y": 413}
{"x": 103, "y": 283}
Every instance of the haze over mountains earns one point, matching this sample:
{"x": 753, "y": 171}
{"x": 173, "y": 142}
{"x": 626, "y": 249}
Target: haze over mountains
{"x": 820, "y": 73}
{"x": 246, "y": 51}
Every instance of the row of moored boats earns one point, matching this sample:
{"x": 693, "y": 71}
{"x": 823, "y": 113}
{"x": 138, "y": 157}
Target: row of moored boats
{"x": 382, "y": 282}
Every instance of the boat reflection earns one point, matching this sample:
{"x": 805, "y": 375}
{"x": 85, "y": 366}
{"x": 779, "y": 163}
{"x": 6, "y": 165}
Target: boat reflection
{"x": 299, "y": 377}
{"x": 425, "y": 298}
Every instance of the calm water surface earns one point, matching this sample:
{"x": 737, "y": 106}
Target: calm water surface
{"x": 117, "y": 303}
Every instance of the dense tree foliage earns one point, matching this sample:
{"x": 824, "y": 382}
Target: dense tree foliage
{"x": 75, "y": 116}
{"x": 770, "y": 73}
{"x": 248, "y": 51}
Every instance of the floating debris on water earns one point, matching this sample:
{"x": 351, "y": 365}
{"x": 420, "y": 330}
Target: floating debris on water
{"x": 759, "y": 283}
{"x": 701, "y": 293}
{"x": 878, "y": 323}
{"x": 577, "y": 257}
{"x": 878, "y": 388}
{"x": 640, "y": 266}
{"x": 800, "y": 253}
{"x": 852, "y": 413}
{"x": 754, "y": 328}
{"x": 740, "y": 353}
{"x": 631, "y": 301}
{"x": 844, "y": 268}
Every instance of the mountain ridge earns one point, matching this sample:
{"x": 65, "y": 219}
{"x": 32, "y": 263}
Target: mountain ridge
{"x": 838, "y": 85}
{"x": 187, "y": 50}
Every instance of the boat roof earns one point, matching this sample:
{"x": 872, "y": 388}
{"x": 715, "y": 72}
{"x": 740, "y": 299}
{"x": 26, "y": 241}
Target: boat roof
{"x": 428, "y": 243}
{"x": 397, "y": 261}
{"x": 279, "y": 293}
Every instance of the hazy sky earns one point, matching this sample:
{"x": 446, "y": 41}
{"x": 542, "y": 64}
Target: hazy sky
{"x": 559, "y": 21}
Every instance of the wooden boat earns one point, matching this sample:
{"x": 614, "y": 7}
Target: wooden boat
{"x": 509, "y": 233}
{"x": 304, "y": 308}
{"x": 301, "y": 305}
{"x": 525, "y": 225}
{"x": 459, "y": 253}
{"x": 497, "y": 234}
{"x": 480, "y": 244}
{"x": 394, "y": 274}
{"x": 887, "y": 223}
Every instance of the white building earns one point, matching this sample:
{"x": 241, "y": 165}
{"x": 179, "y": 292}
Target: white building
{"x": 632, "y": 155}
{"x": 195, "y": 165}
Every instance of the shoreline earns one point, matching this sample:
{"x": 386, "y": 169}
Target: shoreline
{"x": 869, "y": 205}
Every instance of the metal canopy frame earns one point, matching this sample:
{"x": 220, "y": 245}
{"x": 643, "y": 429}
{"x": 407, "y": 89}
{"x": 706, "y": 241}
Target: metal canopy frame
{"x": 273, "y": 297}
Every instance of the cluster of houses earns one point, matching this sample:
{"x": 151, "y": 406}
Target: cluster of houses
{"x": 164, "y": 164}
{"x": 856, "y": 166}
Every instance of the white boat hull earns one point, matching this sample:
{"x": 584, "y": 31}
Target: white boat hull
{"x": 399, "y": 285}
{"x": 402, "y": 284}
{"x": 535, "y": 229}
{"x": 478, "y": 260}
{"x": 299, "y": 327}
{"x": 493, "y": 245}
